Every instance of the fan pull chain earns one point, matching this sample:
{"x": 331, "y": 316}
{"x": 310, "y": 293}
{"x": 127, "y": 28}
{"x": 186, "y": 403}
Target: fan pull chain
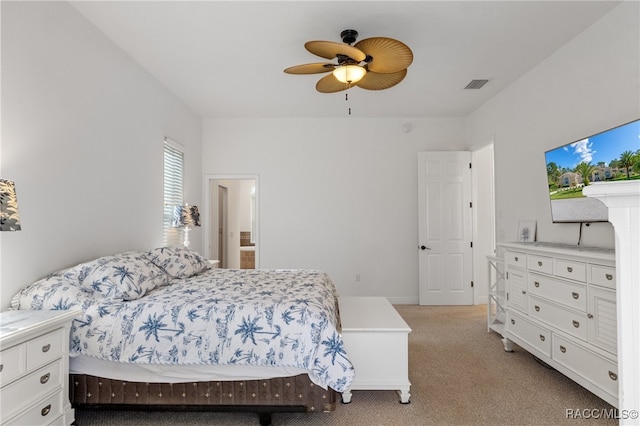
{"x": 346, "y": 98}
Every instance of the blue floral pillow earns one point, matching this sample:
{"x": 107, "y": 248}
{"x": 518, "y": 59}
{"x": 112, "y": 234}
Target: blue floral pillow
{"x": 125, "y": 276}
{"x": 58, "y": 291}
{"x": 179, "y": 261}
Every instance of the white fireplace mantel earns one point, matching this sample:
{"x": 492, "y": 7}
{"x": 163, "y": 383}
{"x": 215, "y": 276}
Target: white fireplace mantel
{"x": 623, "y": 200}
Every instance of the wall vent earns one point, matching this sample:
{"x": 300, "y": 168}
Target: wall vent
{"x": 476, "y": 84}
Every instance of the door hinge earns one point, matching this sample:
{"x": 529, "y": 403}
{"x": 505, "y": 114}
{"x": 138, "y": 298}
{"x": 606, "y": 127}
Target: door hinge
{"x": 471, "y": 244}
{"x": 507, "y": 274}
{"x": 471, "y": 283}
{"x": 469, "y": 165}
{"x": 470, "y": 204}
{"x": 507, "y": 296}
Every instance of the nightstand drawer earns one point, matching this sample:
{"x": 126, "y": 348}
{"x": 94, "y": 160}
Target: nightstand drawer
{"x": 12, "y": 364}
{"x": 44, "y": 349}
{"x": 45, "y": 412}
{"x": 30, "y": 388}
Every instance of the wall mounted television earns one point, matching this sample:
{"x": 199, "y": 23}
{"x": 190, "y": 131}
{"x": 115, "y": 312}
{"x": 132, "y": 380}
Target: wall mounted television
{"x": 612, "y": 155}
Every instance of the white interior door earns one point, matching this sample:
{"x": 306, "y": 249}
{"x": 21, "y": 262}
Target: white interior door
{"x": 445, "y": 228}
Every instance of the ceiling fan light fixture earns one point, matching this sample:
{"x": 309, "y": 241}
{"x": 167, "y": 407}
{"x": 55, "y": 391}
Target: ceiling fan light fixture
{"x": 349, "y": 73}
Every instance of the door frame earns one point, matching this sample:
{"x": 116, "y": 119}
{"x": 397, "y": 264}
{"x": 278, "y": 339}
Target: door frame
{"x": 207, "y": 213}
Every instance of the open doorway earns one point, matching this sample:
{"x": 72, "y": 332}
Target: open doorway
{"x": 231, "y": 221}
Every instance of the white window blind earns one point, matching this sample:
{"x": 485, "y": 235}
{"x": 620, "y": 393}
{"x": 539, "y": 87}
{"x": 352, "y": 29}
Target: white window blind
{"x": 173, "y": 186}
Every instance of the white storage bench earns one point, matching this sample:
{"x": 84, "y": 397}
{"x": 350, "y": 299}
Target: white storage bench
{"x": 376, "y": 340}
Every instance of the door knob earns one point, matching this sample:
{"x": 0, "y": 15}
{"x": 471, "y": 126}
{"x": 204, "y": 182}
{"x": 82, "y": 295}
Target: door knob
{"x": 424, "y": 248}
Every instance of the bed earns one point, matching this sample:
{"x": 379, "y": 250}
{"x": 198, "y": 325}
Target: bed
{"x": 164, "y": 329}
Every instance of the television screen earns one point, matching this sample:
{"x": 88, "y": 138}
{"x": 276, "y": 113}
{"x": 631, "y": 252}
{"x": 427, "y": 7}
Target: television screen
{"x": 612, "y": 155}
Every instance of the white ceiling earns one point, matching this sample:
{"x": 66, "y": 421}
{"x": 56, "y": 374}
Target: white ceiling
{"x": 225, "y": 59}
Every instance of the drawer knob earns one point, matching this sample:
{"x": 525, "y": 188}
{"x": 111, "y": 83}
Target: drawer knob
{"x": 524, "y": 292}
{"x": 589, "y": 316}
{"x": 44, "y": 379}
{"x": 516, "y": 258}
{"x": 613, "y": 375}
{"x": 569, "y": 268}
{"x": 576, "y": 324}
{"x": 45, "y": 410}
{"x": 542, "y": 337}
{"x": 46, "y": 347}
{"x": 537, "y": 308}
{"x": 539, "y": 263}
{"x": 513, "y": 321}
{"x": 536, "y": 283}
{"x": 575, "y": 295}
{"x": 609, "y": 276}
{"x": 563, "y": 349}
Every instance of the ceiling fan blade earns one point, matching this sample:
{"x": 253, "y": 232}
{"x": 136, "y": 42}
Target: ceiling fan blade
{"x": 329, "y": 84}
{"x": 389, "y": 55}
{"x": 380, "y": 81}
{"x": 330, "y": 50}
{"x": 315, "y": 68}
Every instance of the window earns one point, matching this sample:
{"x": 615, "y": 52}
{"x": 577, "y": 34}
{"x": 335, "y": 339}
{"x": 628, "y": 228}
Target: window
{"x": 173, "y": 185}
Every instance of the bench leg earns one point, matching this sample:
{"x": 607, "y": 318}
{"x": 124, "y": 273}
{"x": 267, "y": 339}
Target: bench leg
{"x": 404, "y": 394}
{"x": 346, "y": 396}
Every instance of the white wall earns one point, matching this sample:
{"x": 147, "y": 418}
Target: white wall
{"x": 335, "y": 194}
{"x": 589, "y": 85}
{"x": 82, "y": 132}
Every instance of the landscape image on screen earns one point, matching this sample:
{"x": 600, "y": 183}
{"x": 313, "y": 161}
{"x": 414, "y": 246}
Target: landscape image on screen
{"x": 611, "y": 156}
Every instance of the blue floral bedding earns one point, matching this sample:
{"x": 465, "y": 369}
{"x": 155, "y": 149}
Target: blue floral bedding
{"x": 167, "y": 307}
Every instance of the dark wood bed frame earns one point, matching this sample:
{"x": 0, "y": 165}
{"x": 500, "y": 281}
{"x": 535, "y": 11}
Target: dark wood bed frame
{"x": 263, "y": 397}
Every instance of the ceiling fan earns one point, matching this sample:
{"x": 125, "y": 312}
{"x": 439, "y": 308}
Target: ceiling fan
{"x": 375, "y": 63}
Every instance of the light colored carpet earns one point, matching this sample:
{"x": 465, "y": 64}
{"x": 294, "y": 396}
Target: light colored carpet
{"x": 459, "y": 373}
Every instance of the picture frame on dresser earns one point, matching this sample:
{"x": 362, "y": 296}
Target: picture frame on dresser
{"x": 526, "y": 231}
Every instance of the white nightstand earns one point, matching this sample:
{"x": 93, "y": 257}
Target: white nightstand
{"x": 34, "y": 367}
{"x": 376, "y": 339}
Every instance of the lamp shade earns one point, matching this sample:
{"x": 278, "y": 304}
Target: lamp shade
{"x": 349, "y": 73}
{"x": 185, "y": 216}
{"x": 9, "y": 217}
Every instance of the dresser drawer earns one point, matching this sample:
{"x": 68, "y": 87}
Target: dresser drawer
{"x": 569, "y": 321}
{"x": 45, "y": 412}
{"x": 540, "y": 264}
{"x": 572, "y": 270}
{"x": 569, "y": 294}
{"x": 514, "y": 258}
{"x": 536, "y": 336}
{"x": 30, "y": 388}
{"x": 600, "y": 371}
{"x": 45, "y": 348}
{"x": 603, "y": 275}
{"x": 12, "y": 364}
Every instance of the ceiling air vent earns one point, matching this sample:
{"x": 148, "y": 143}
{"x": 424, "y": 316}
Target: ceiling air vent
{"x": 476, "y": 84}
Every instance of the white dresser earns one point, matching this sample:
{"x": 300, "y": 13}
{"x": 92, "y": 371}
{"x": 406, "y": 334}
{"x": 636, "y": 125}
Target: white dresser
{"x": 376, "y": 340}
{"x": 561, "y": 307}
{"x": 34, "y": 367}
